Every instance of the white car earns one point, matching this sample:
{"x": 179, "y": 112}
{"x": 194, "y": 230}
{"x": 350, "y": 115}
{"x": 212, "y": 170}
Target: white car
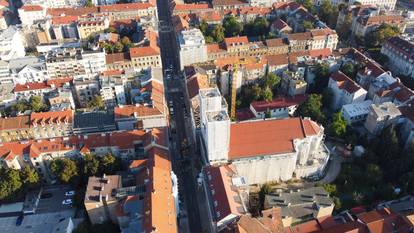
{"x": 70, "y": 193}
{"x": 67, "y": 202}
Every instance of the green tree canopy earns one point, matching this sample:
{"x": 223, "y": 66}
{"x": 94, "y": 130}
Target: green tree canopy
{"x": 90, "y": 165}
{"x": 232, "y": 27}
{"x": 338, "y": 125}
{"x": 10, "y": 184}
{"x": 380, "y": 35}
{"x": 126, "y": 42}
{"x": 36, "y": 104}
{"x": 321, "y": 77}
{"x": 257, "y": 27}
{"x": 344, "y": 29}
{"x": 96, "y": 103}
{"x": 267, "y": 94}
{"x": 349, "y": 70}
{"x": 307, "y": 25}
{"x": 218, "y": 33}
{"x": 29, "y": 177}
{"x": 312, "y": 108}
{"x": 308, "y": 4}
{"x": 64, "y": 169}
{"x": 89, "y": 3}
{"x": 272, "y": 81}
{"x": 109, "y": 164}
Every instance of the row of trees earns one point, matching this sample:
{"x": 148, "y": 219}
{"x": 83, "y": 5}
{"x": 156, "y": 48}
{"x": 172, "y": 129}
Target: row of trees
{"x": 15, "y": 183}
{"x": 75, "y": 171}
{"x": 118, "y": 47}
{"x": 34, "y": 104}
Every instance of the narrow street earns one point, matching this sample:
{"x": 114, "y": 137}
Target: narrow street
{"x": 182, "y": 153}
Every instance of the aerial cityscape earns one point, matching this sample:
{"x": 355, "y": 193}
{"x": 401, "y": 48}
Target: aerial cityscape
{"x": 206, "y": 116}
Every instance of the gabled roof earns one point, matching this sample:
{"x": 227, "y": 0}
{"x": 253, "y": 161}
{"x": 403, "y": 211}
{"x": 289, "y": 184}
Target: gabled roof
{"x": 32, "y": 8}
{"x": 268, "y": 137}
{"x": 278, "y": 102}
{"x": 345, "y": 83}
{"x": 129, "y": 111}
{"x": 15, "y": 123}
{"x": 143, "y": 51}
{"x": 125, "y": 7}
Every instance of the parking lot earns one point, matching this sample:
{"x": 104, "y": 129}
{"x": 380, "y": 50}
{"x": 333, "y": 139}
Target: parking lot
{"x": 52, "y": 198}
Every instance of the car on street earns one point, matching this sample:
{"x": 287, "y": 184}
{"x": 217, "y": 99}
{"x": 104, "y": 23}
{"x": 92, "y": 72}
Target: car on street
{"x": 67, "y": 202}
{"x": 70, "y": 193}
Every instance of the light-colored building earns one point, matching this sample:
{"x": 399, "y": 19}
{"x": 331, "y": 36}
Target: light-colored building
{"x": 85, "y": 89}
{"x": 5, "y": 76}
{"x": 293, "y": 82}
{"x": 279, "y": 107}
{"x": 51, "y": 124}
{"x": 192, "y": 47}
{"x": 15, "y": 128}
{"x": 70, "y": 62}
{"x": 11, "y": 44}
{"x": 324, "y": 38}
{"x": 345, "y": 90}
{"x": 366, "y": 23}
{"x": 134, "y": 10}
{"x": 356, "y": 112}
{"x": 400, "y": 55}
{"x": 381, "y": 116}
{"x": 385, "y": 4}
{"x": 31, "y": 13}
{"x": 100, "y": 202}
{"x": 128, "y": 117}
{"x": 91, "y": 25}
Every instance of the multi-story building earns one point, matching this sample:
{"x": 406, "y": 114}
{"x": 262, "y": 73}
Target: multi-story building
{"x": 385, "y": 4}
{"x": 130, "y": 10}
{"x": 365, "y": 24}
{"x": 145, "y": 57}
{"x": 279, "y": 107}
{"x": 29, "y": 73}
{"x": 70, "y": 62}
{"x": 31, "y": 13}
{"x": 11, "y": 44}
{"x": 293, "y": 82}
{"x": 192, "y": 47}
{"x": 61, "y": 99}
{"x": 100, "y": 202}
{"x": 51, "y": 124}
{"x": 296, "y": 207}
{"x": 345, "y": 90}
{"x": 112, "y": 91}
{"x": 324, "y": 38}
{"x": 128, "y": 117}
{"x": 27, "y": 90}
{"x": 85, "y": 90}
{"x": 381, "y": 116}
{"x": 91, "y": 25}
{"x": 63, "y": 27}
{"x": 5, "y": 73}
{"x": 356, "y": 112}
{"x": 400, "y": 55}
{"x": 103, "y": 2}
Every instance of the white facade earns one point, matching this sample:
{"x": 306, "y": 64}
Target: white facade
{"x": 104, "y": 2}
{"x": 192, "y": 47}
{"x": 215, "y": 125}
{"x": 385, "y": 4}
{"x": 30, "y": 13}
{"x": 401, "y": 56}
{"x": 356, "y": 112}
{"x": 11, "y": 44}
{"x": 94, "y": 62}
{"x": 345, "y": 91}
{"x": 262, "y": 3}
{"x": 30, "y": 74}
{"x": 5, "y": 73}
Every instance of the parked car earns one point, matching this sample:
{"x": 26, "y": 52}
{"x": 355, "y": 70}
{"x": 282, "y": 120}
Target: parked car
{"x": 70, "y": 193}
{"x": 67, "y": 202}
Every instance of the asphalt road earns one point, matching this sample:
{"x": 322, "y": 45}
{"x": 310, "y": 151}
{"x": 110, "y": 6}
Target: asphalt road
{"x": 182, "y": 154}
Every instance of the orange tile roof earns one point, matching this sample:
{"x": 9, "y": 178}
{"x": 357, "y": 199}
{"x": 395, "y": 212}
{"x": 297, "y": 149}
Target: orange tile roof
{"x": 143, "y": 51}
{"x": 279, "y": 102}
{"x": 300, "y": 36}
{"x": 72, "y": 11}
{"x": 117, "y": 58}
{"x": 236, "y": 40}
{"x": 59, "y": 20}
{"x": 214, "y": 48}
{"x": 190, "y": 7}
{"x": 277, "y": 60}
{"x": 52, "y": 117}
{"x": 112, "y": 72}
{"x": 195, "y": 83}
{"x": 128, "y": 111}
{"x": 13, "y": 123}
{"x": 42, "y": 85}
{"x": 345, "y": 83}
{"x": 125, "y": 7}
{"x": 32, "y": 8}
{"x": 268, "y": 137}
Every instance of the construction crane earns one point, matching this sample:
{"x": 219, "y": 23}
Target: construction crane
{"x": 233, "y": 87}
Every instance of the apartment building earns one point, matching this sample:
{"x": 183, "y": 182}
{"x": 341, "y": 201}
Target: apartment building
{"x": 70, "y": 62}
{"x": 293, "y": 82}
{"x": 11, "y": 44}
{"x": 384, "y": 4}
{"x": 144, "y": 57}
{"x": 28, "y": 70}
{"x": 15, "y": 129}
{"x": 27, "y": 90}
{"x": 90, "y": 25}
{"x": 324, "y": 38}
{"x": 112, "y": 92}
{"x": 381, "y": 116}
{"x": 366, "y": 23}
{"x": 345, "y": 90}
{"x": 279, "y": 108}
{"x": 63, "y": 27}
{"x": 192, "y": 47}
{"x": 356, "y": 112}
{"x": 400, "y": 53}
{"x": 128, "y": 117}
{"x": 130, "y": 10}
{"x": 51, "y": 124}
{"x": 85, "y": 90}
{"x": 31, "y": 13}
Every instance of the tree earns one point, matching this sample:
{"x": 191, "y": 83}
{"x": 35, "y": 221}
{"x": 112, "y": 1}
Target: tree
{"x": 321, "y": 77}
{"x": 345, "y": 27}
{"x": 203, "y": 27}
{"x": 257, "y": 27}
{"x": 109, "y": 164}
{"x": 338, "y": 125}
{"x": 209, "y": 39}
{"x": 118, "y": 47}
{"x": 331, "y": 189}
{"x": 325, "y": 10}
{"x": 312, "y": 108}
{"x": 90, "y": 165}
{"x": 36, "y": 104}
{"x": 349, "y": 70}
{"x": 11, "y": 183}
{"x": 267, "y": 94}
{"x": 20, "y": 106}
{"x": 232, "y": 27}
{"x": 96, "y": 103}
{"x": 64, "y": 169}
{"x": 218, "y": 33}
{"x": 378, "y": 36}
{"x": 110, "y": 30}
{"x": 89, "y": 3}
{"x": 307, "y": 25}
{"x": 327, "y": 98}
{"x": 29, "y": 177}
{"x": 388, "y": 147}
{"x": 272, "y": 81}
{"x": 308, "y": 4}
{"x": 126, "y": 41}
{"x": 264, "y": 190}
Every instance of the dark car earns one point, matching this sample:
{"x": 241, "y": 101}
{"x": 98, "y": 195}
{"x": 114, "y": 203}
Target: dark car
{"x": 19, "y": 220}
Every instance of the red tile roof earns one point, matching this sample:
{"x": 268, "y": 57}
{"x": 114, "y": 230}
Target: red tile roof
{"x": 143, "y": 51}
{"x": 345, "y": 83}
{"x": 14, "y": 123}
{"x": 59, "y": 20}
{"x": 32, "y": 8}
{"x": 190, "y": 7}
{"x": 72, "y": 11}
{"x": 129, "y": 111}
{"x": 236, "y": 40}
{"x": 195, "y": 83}
{"x": 52, "y": 117}
{"x": 268, "y": 137}
{"x": 279, "y": 102}
{"x": 279, "y": 24}
{"x": 277, "y": 60}
{"x": 125, "y": 7}
{"x": 42, "y": 85}
{"x": 244, "y": 114}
